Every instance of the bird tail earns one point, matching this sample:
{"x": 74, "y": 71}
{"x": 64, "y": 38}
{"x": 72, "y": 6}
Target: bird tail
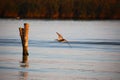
{"x": 68, "y": 43}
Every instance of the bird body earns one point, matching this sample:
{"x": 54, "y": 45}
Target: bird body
{"x": 61, "y": 39}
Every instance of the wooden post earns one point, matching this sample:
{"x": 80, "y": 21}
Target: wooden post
{"x": 24, "y": 39}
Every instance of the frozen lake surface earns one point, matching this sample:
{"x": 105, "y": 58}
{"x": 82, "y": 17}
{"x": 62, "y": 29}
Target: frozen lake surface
{"x": 94, "y": 53}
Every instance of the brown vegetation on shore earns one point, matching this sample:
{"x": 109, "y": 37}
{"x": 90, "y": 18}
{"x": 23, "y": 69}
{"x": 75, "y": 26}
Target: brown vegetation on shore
{"x": 60, "y": 9}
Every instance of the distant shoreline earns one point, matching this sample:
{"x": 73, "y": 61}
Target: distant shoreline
{"x": 61, "y": 9}
{"x": 56, "y": 19}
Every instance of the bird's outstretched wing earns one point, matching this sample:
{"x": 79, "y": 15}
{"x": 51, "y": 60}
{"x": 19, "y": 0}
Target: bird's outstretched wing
{"x": 60, "y": 37}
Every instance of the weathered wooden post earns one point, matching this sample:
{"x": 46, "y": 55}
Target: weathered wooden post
{"x": 24, "y": 39}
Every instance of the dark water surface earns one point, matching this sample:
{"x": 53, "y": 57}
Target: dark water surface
{"x": 92, "y": 51}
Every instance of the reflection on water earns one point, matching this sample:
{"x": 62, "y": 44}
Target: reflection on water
{"x": 23, "y": 74}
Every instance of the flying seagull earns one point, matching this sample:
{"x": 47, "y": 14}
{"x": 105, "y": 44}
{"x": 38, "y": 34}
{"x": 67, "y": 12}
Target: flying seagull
{"x": 61, "y": 39}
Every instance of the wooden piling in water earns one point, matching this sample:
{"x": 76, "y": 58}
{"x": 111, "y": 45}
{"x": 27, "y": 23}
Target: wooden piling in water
{"x": 24, "y": 39}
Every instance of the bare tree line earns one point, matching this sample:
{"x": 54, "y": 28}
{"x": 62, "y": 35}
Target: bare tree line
{"x": 60, "y": 9}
